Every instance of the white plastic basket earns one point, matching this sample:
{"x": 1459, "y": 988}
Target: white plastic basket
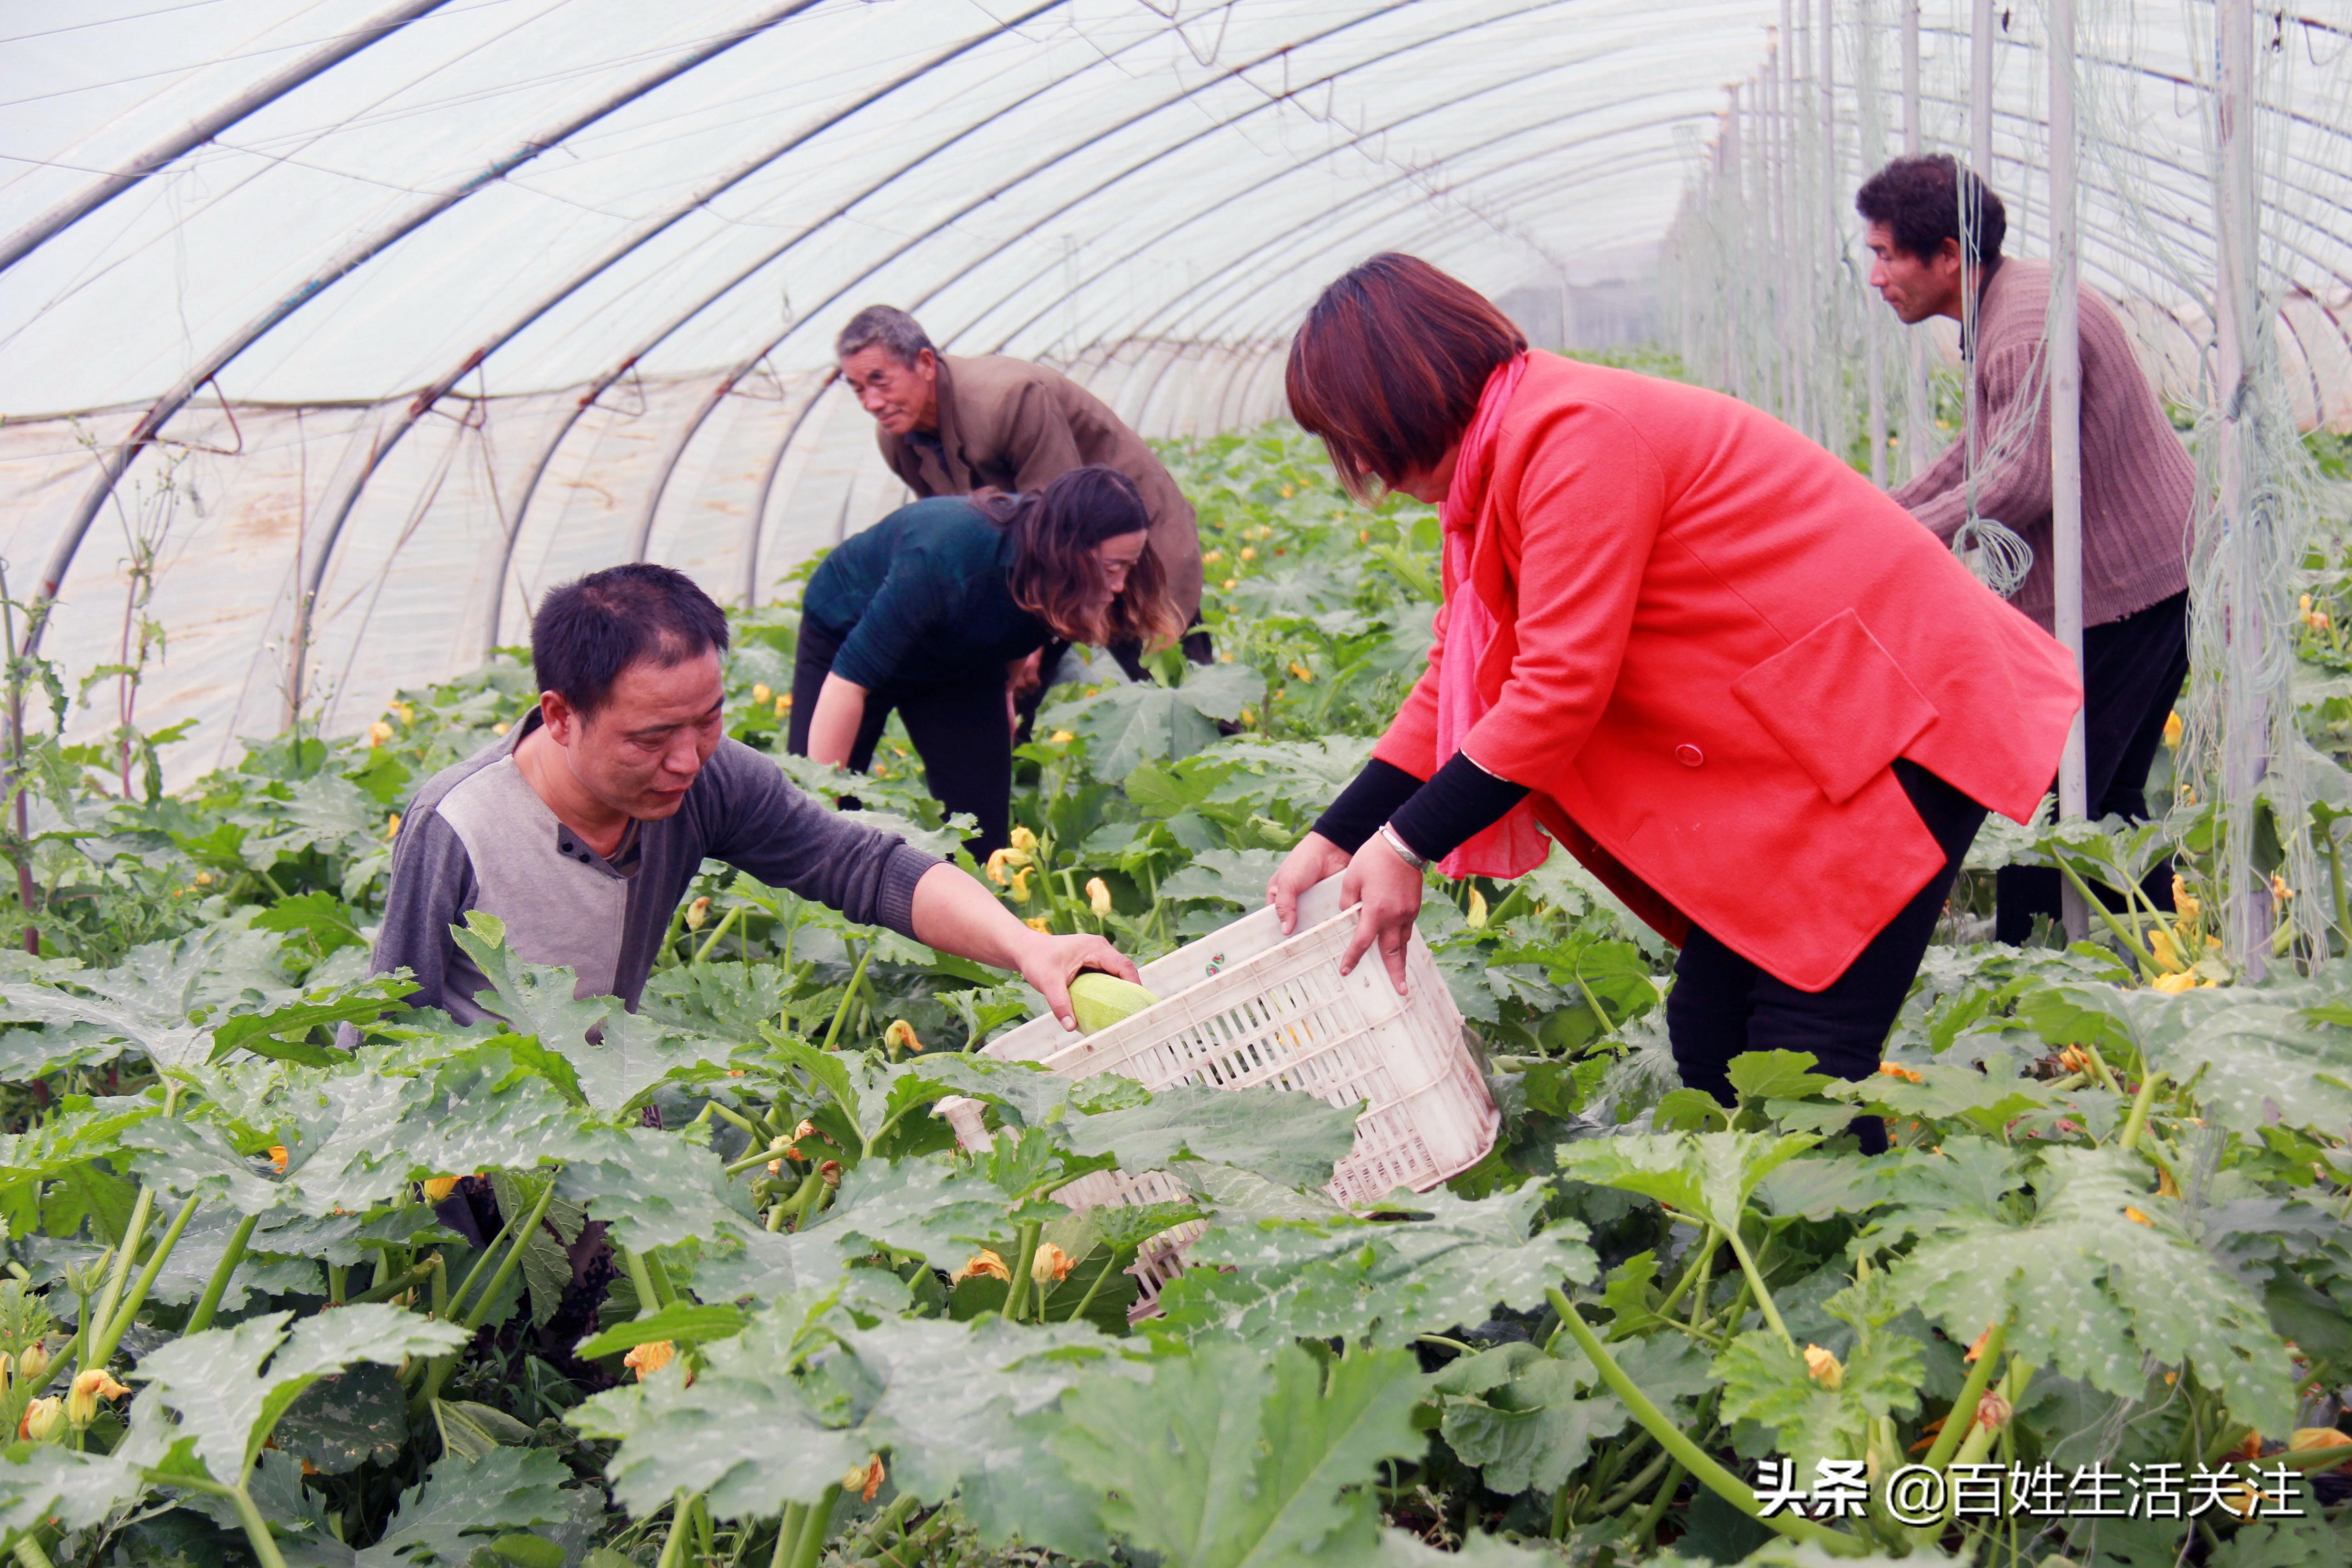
{"x": 1247, "y": 1006}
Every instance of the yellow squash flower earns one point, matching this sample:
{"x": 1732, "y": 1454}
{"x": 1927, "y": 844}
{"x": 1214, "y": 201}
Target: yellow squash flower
{"x": 33, "y": 1366}
{"x": 45, "y": 1420}
{"x": 1895, "y": 1069}
{"x": 649, "y": 1358}
{"x": 1993, "y": 1412}
{"x": 761, "y": 695}
{"x": 1062, "y": 737}
{"x": 1039, "y": 924}
{"x": 1023, "y": 840}
{"x": 2172, "y": 728}
{"x": 89, "y": 1388}
{"x": 2136, "y": 1217}
{"x": 2308, "y": 1437}
{"x": 981, "y": 1265}
{"x": 1301, "y": 671}
{"x": 1824, "y": 1368}
{"x": 1098, "y": 896}
{"x": 1476, "y": 914}
{"x": 1212, "y": 557}
{"x": 378, "y": 733}
{"x": 901, "y": 1036}
{"x": 391, "y": 829}
{"x": 698, "y": 913}
{"x": 499, "y": 727}
{"x": 1052, "y": 1264}
{"x": 2173, "y": 985}
{"x": 278, "y": 1157}
{"x": 864, "y": 1479}
{"x": 438, "y": 1188}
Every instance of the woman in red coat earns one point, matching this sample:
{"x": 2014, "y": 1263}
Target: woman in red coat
{"x": 1756, "y": 698}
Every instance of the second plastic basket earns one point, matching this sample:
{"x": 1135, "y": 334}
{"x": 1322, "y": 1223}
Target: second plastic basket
{"x": 1246, "y": 1006}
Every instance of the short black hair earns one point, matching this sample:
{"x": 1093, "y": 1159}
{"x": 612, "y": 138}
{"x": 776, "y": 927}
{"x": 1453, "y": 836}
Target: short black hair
{"x": 1918, "y": 200}
{"x": 590, "y": 630}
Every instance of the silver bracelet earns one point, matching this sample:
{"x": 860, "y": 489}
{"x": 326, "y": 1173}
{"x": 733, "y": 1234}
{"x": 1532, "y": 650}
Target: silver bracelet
{"x": 1405, "y": 852}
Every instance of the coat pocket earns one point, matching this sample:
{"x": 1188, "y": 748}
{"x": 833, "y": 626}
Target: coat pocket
{"x": 1839, "y": 704}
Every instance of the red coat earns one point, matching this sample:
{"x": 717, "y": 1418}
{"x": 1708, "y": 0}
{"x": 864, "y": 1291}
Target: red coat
{"x": 1713, "y": 639}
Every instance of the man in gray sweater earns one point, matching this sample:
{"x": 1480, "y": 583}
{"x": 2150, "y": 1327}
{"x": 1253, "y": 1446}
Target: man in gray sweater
{"x": 582, "y": 829}
{"x": 2139, "y": 484}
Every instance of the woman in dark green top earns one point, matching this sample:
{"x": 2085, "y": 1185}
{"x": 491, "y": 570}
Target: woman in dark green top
{"x": 932, "y": 609}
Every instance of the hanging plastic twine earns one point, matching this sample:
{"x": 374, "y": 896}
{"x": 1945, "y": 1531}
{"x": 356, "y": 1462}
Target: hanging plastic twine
{"x": 1995, "y": 553}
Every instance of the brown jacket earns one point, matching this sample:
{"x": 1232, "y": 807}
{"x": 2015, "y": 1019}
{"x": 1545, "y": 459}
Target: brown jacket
{"x": 1011, "y": 424}
{"x": 2139, "y": 484}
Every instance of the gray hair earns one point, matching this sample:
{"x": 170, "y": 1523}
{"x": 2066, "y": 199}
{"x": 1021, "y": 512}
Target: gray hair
{"x": 888, "y": 325}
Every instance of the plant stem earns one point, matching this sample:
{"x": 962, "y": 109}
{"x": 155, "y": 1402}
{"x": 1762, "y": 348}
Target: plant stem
{"x": 2098, "y": 907}
{"x": 725, "y": 925}
{"x": 1017, "y": 1288}
{"x": 257, "y": 1529}
{"x": 1694, "y": 1459}
{"x": 815, "y": 1526}
{"x": 1698, "y": 1271}
{"x": 2099, "y": 1064}
{"x": 117, "y": 1276}
{"x": 2137, "y": 1123}
{"x": 674, "y": 1544}
{"x": 1963, "y": 1407}
{"x": 391, "y": 1287}
{"x": 28, "y": 1554}
{"x": 1637, "y": 1487}
{"x": 1755, "y": 1281}
{"x": 848, "y": 994}
{"x": 788, "y": 1532}
{"x": 1647, "y": 1525}
{"x": 1094, "y": 1286}
{"x": 664, "y": 1291}
{"x": 633, "y": 1263}
{"x": 112, "y": 1336}
{"x": 513, "y": 1260}
{"x": 805, "y": 1201}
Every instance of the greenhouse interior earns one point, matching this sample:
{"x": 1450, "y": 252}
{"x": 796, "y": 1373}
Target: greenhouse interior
{"x": 1512, "y": 781}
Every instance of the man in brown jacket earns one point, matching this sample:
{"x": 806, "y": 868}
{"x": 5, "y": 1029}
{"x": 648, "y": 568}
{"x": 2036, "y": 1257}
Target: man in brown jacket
{"x": 2139, "y": 484}
{"x": 950, "y": 425}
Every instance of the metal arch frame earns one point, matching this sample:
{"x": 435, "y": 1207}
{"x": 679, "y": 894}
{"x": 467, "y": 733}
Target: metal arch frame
{"x": 1219, "y": 279}
{"x": 604, "y": 383}
{"x": 196, "y": 132}
{"x": 1201, "y": 213}
{"x": 321, "y": 559}
{"x": 757, "y": 531}
{"x": 655, "y": 493}
{"x": 1285, "y": 172}
{"x": 118, "y": 458}
{"x": 1539, "y": 183}
{"x": 2120, "y": 239}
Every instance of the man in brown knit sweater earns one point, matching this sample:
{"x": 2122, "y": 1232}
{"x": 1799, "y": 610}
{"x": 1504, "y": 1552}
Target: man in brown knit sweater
{"x": 2139, "y": 486}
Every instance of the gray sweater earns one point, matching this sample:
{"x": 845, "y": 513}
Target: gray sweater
{"x": 477, "y": 836}
{"x": 2139, "y": 484}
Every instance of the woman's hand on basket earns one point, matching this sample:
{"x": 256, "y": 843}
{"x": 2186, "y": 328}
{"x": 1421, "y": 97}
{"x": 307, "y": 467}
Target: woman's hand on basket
{"x": 1051, "y": 962}
{"x": 1314, "y": 858}
{"x": 1387, "y": 893}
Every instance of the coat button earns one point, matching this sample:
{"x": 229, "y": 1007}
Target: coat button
{"x": 1690, "y": 756}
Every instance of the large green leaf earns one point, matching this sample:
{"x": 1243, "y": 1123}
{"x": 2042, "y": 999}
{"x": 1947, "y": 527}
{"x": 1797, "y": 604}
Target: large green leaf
{"x": 223, "y": 1398}
{"x": 1766, "y": 1380}
{"x": 617, "y": 1055}
{"x": 2092, "y": 1291}
{"x": 149, "y": 1000}
{"x": 782, "y": 1409}
{"x": 1706, "y": 1176}
{"x": 1286, "y": 1136}
{"x": 46, "y": 1485}
{"x": 1269, "y": 1281}
{"x": 452, "y": 1513}
{"x": 1231, "y": 1456}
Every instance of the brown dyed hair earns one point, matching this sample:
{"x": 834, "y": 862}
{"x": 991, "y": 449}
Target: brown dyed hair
{"x": 1055, "y": 574}
{"x": 1390, "y": 364}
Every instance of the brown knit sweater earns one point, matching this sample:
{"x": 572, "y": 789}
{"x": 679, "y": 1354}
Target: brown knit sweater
{"x": 2139, "y": 484}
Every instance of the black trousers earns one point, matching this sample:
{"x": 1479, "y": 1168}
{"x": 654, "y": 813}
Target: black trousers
{"x": 2132, "y": 671}
{"x": 1722, "y": 1005}
{"x": 958, "y": 729}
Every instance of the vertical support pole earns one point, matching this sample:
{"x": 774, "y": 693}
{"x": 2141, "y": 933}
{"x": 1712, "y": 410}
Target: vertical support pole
{"x": 1729, "y": 244}
{"x": 2066, "y": 413}
{"x": 1869, "y": 144}
{"x": 1830, "y": 251}
{"x": 2245, "y": 730}
{"x": 1916, "y": 419}
{"x": 1980, "y": 47}
{"x": 1776, "y": 161}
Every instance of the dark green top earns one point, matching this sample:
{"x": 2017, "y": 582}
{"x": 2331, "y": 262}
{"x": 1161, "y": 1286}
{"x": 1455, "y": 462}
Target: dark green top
{"x": 922, "y": 598}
